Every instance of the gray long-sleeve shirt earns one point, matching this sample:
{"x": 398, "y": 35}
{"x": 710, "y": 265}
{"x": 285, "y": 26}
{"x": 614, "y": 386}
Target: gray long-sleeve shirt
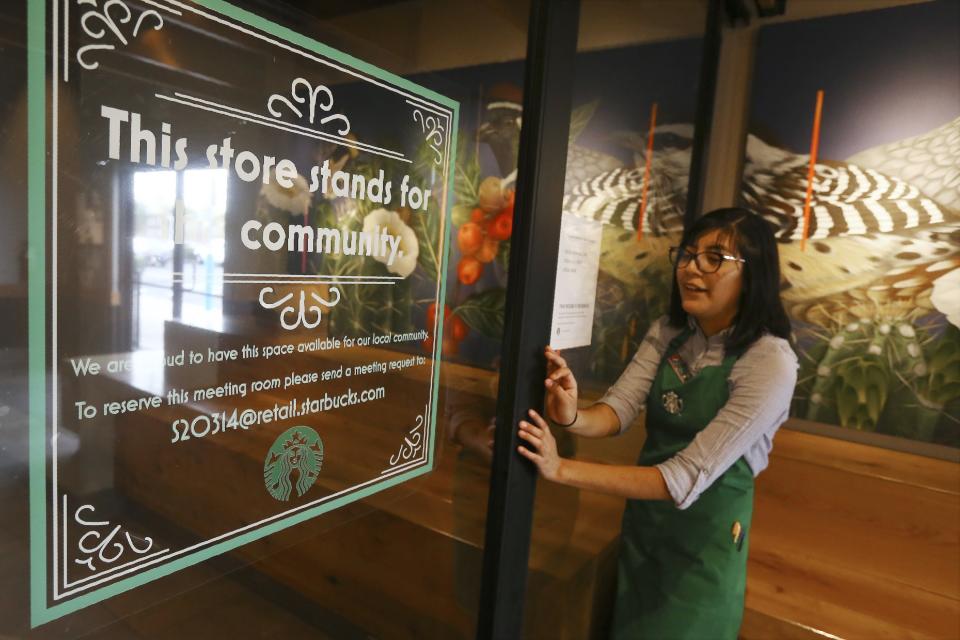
{"x": 761, "y": 386}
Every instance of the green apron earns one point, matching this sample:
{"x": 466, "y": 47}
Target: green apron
{"x": 683, "y": 573}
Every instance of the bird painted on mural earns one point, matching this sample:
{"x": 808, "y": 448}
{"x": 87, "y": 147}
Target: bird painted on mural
{"x": 624, "y": 261}
{"x": 876, "y": 243}
{"x": 614, "y": 198}
{"x": 881, "y": 237}
{"x": 500, "y": 125}
{"x": 633, "y": 275}
{"x": 882, "y": 251}
{"x": 930, "y": 162}
{"x": 500, "y": 128}
{"x": 622, "y": 255}
{"x": 881, "y": 254}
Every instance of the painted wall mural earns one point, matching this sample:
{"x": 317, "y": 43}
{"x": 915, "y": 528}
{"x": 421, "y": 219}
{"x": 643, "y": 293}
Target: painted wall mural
{"x": 612, "y": 129}
{"x": 854, "y": 154}
{"x": 870, "y": 259}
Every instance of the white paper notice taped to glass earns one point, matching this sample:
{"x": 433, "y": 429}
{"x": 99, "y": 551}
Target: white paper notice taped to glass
{"x": 578, "y": 262}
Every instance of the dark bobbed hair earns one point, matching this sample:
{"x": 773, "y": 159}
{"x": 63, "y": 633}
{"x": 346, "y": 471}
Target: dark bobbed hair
{"x": 760, "y": 309}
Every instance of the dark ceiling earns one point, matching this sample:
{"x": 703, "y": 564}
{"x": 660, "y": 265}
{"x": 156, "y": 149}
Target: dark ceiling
{"x": 319, "y": 9}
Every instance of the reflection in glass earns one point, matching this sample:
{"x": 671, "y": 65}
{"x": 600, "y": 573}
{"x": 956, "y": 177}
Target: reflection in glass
{"x": 627, "y": 163}
{"x": 160, "y": 274}
{"x": 154, "y": 194}
{"x": 146, "y": 270}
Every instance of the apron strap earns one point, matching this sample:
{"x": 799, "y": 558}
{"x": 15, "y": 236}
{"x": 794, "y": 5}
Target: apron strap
{"x": 679, "y": 339}
{"x": 673, "y": 359}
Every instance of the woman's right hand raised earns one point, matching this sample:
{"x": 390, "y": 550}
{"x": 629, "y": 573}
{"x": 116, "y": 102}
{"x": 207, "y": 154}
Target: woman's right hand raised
{"x": 561, "y": 387}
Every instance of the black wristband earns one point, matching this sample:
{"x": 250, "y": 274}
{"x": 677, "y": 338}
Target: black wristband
{"x": 572, "y": 423}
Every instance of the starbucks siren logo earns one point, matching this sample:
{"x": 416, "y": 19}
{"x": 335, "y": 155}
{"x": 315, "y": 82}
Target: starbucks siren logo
{"x": 297, "y": 449}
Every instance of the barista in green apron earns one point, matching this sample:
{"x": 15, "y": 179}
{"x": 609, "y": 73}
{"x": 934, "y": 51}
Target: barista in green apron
{"x": 682, "y": 574}
{"x": 683, "y": 558}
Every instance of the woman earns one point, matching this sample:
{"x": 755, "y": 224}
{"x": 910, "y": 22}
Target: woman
{"x": 716, "y": 377}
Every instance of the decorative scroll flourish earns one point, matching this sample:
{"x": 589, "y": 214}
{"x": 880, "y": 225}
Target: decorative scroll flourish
{"x": 105, "y": 546}
{"x": 414, "y": 444}
{"x": 110, "y": 22}
{"x": 302, "y": 312}
{"x": 433, "y": 132}
{"x": 312, "y": 97}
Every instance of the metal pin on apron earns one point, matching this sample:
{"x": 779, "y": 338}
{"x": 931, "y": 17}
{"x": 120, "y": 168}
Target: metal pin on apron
{"x": 672, "y": 402}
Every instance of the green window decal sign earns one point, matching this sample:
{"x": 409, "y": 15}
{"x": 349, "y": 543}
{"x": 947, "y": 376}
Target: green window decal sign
{"x": 232, "y": 227}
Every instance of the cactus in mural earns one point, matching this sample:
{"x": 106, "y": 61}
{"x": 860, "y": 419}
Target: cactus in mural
{"x": 894, "y": 377}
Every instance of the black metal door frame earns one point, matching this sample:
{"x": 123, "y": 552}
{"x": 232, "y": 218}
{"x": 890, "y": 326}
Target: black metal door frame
{"x": 547, "y": 101}
{"x": 541, "y": 167}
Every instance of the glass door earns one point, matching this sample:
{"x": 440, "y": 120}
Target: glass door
{"x": 254, "y": 273}
{"x": 625, "y": 197}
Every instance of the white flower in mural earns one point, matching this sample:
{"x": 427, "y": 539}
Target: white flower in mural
{"x": 406, "y": 259}
{"x": 946, "y": 296}
{"x": 294, "y": 199}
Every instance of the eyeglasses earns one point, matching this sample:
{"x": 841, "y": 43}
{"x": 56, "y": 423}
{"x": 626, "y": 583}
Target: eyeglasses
{"x": 707, "y": 261}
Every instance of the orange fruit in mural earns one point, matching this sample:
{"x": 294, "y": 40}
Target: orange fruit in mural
{"x": 501, "y": 226}
{"x": 470, "y": 238}
{"x": 469, "y": 270}
{"x": 491, "y": 195}
{"x": 488, "y": 251}
{"x": 458, "y": 328}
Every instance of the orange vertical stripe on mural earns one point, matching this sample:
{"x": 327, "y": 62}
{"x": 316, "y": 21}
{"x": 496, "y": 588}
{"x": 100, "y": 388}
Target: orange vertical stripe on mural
{"x": 814, "y": 144}
{"x": 646, "y": 170}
